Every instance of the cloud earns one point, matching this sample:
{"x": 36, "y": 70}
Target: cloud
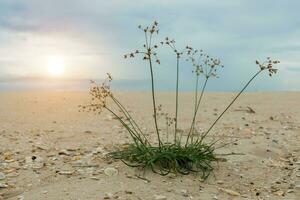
{"x": 97, "y": 33}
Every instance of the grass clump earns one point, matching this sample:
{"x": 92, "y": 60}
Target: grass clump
{"x": 175, "y": 150}
{"x": 169, "y": 158}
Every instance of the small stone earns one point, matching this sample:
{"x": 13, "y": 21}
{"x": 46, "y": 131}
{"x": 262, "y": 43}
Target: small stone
{"x": 297, "y": 186}
{"x": 8, "y": 156}
{"x": 275, "y": 141}
{"x": 279, "y": 193}
{"x": 21, "y": 197}
{"x": 2, "y": 185}
{"x": 34, "y": 162}
{"x": 99, "y": 150}
{"x": 160, "y": 197}
{"x": 111, "y": 171}
{"x": 41, "y": 146}
{"x": 2, "y": 176}
{"x": 95, "y": 178}
{"x": 128, "y": 192}
{"x": 66, "y": 172}
{"x": 220, "y": 182}
{"x": 88, "y": 132}
{"x": 184, "y": 193}
{"x": 64, "y": 152}
{"x": 108, "y": 195}
{"x": 14, "y": 165}
{"x": 231, "y": 192}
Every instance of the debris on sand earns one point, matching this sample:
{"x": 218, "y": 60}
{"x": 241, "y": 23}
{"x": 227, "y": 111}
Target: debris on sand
{"x": 3, "y": 185}
{"x": 34, "y": 162}
{"x": 184, "y": 193}
{"x": 2, "y": 176}
{"x": 248, "y": 110}
{"x": 111, "y": 171}
{"x": 160, "y": 197}
{"x": 66, "y": 172}
{"x": 230, "y": 192}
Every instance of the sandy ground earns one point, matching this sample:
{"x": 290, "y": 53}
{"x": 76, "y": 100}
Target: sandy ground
{"x": 48, "y": 150}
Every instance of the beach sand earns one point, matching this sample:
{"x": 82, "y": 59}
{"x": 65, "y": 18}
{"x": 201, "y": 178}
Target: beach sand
{"x": 49, "y": 150}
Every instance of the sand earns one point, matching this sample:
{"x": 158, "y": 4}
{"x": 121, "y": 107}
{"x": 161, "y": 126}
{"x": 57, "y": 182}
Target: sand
{"x": 49, "y": 150}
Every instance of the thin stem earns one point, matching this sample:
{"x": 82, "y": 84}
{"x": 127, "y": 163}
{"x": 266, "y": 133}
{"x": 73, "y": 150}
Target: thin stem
{"x": 196, "y": 92}
{"x": 167, "y": 128}
{"x": 230, "y": 105}
{"x": 129, "y": 117}
{"x": 153, "y": 100}
{"x": 133, "y": 135}
{"x": 176, "y": 109}
{"x": 197, "y": 108}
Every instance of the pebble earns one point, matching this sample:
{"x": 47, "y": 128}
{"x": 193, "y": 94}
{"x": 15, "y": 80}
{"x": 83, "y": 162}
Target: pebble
{"x": 231, "y": 192}
{"x": 279, "y": 193}
{"x": 184, "y": 193}
{"x": 108, "y": 195}
{"x": 64, "y": 152}
{"x": 21, "y": 197}
{"x": 215, "y": 197}
{"x": 41, "y": 146}
{"x": 111, "y": 171}
{"x": 297, "y": 186}
{"x": 128, "y": 192}
{"x": 2, "y": 176}
{"x": 95, "y": 178}
{"x": 99, "y": 150}
{"x": 2, "y": 185}
{"x": 66, "y": 172}
{"x": 34, "y": 162}
{"x": 88, "y": 132}
{"x": 160, "y": 197}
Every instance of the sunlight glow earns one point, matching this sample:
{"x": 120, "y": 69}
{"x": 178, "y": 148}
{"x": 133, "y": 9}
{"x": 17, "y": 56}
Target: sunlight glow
{"x": 55, "y": 65}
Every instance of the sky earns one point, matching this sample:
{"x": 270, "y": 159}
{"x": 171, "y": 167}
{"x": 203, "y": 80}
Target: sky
{"x": 89, "y": 38}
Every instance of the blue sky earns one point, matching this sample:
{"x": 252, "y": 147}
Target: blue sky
{"x": 92, "y": 36}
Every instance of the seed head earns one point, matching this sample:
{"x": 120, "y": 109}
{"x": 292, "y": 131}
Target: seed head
{"x": 268, "y": 65}
{"x": 99, "y": 95}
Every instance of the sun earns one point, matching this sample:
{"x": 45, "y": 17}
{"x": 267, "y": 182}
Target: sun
{"x": 55, "y": 65}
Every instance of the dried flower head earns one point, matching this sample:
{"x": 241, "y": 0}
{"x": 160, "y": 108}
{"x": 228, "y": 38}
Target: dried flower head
{"x": 160, "y": 113}
{"x": 268, "y": 65}
{"x": 171, "y": 43}
{"x": 203, "y": 63}
{"x": 148, "y": 52}
{"x": 99, "y": 95}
